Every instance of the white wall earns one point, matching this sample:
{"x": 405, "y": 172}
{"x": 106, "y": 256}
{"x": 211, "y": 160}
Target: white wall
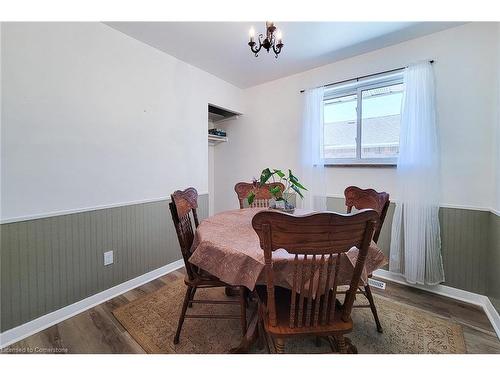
{"x": 496, "y": 172}
{"x": 211, "y": 175}
{"x": 92, "y": 117}
{"x": 466, "y": 70}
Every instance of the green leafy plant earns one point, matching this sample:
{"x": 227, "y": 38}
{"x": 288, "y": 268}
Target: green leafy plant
{"x": 291, "y": 182}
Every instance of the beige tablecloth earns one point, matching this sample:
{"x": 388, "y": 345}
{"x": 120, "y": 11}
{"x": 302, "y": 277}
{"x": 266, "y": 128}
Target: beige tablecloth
{"x": 226, "y": 246}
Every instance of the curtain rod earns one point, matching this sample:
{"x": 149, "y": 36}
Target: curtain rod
{"x": 366, "y": 76}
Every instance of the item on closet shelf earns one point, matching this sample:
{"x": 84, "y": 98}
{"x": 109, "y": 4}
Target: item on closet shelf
{"x": 218, "y": 132}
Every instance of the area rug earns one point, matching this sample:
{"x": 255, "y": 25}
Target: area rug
{"x": 152, "y": 321}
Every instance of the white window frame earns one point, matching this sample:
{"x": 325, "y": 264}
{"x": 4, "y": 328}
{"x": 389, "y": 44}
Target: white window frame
{"x": 356, "y": 88}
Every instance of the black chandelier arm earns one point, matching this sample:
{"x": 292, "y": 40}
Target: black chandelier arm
{"x": 277, "y": 49}
{"x": 253, "y": 47}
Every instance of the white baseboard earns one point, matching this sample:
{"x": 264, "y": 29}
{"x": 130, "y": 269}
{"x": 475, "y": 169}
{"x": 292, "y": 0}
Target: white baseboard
{"x": 492, "y": 315}
{"x": 448, "y": 291}
{"x": 39, "y": 324}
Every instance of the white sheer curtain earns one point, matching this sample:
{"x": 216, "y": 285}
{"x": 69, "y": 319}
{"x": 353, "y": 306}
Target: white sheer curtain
{"x": 312, "y": 162}
{"x": 416, "y": 240}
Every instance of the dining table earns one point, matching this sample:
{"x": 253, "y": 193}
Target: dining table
{"x": 226, "y": 246}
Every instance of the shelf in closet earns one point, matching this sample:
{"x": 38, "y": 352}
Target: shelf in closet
{"x": 216, "y": 139}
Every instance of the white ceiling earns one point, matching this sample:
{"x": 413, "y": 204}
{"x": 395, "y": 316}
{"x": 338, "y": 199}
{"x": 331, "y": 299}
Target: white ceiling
{"x": 221, "y": 48}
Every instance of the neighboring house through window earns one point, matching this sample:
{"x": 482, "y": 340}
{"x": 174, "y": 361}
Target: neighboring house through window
{"x": 361, "y": 121}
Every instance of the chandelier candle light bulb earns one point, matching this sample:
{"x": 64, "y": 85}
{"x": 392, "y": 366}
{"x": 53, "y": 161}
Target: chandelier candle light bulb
{"x": 279, "y": 35}
{"x": 251, "y": 33}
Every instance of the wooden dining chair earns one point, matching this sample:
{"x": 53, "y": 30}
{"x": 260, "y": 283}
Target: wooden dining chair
{"x": 262, "y": 194}
{"x": 182, "y": 204}
{"x": 317, "y": 241}
{"x": 362, "y": 199}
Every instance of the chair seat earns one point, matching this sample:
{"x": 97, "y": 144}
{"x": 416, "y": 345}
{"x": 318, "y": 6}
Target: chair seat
{"x": 283, "y": 298}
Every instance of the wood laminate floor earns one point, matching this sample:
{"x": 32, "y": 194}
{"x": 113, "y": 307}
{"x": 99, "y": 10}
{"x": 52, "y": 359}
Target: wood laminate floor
{"x": 97, "y": 331}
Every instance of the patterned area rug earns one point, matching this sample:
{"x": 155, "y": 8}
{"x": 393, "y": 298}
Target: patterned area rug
{"x": 152, "y": 321}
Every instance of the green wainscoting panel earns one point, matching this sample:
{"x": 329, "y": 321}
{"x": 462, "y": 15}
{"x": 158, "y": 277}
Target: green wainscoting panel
{"x": 52, "y": 262}
{"x": 466, "y": 245}
{"x": 494, "y": 262}
{"x": 336, "y": 204}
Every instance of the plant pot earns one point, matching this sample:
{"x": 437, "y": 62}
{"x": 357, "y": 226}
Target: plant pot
{"x": 281, "y": 205}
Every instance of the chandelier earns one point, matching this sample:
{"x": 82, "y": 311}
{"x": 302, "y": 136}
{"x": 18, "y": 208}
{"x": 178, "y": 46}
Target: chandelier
{"x": 271, "y": 41}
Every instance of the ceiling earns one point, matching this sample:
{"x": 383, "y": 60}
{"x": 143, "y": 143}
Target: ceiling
{"x": 221, "y": 49}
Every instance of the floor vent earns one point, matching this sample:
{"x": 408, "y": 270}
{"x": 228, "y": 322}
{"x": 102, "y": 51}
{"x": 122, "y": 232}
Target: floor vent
{"x": 376, "y": 283}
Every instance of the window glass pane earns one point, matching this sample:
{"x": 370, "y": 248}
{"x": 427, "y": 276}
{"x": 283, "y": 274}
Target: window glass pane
{"x": 380, "y": 121}
{"x": 340, "y": 127}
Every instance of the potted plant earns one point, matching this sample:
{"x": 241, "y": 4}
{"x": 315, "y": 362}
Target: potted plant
{"x": 291, "y": 182}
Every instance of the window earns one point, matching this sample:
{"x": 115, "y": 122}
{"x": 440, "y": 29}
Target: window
{"x": 361, "y": 121}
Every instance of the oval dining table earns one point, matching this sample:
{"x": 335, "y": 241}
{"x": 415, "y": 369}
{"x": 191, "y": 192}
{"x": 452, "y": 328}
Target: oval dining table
{"x": 227, "y": 247}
